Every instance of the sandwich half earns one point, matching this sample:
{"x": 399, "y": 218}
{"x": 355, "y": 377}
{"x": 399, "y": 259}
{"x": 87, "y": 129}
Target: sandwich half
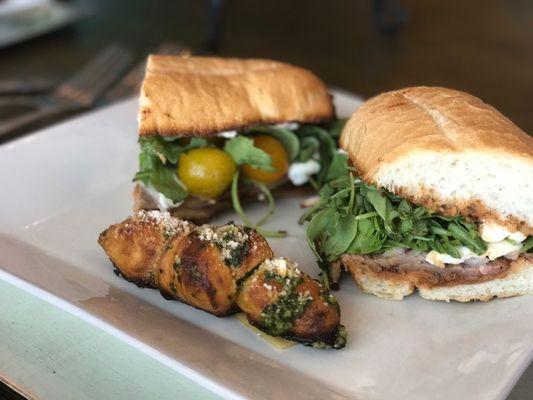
{"x": 437, "y": 197}
{"x": 213, "y": 131}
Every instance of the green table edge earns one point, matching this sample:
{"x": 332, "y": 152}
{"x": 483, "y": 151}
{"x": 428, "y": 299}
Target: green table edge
{"x": 47, "y": 353}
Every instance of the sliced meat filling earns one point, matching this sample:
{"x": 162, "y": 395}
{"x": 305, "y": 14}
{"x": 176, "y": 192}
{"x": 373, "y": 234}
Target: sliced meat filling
{"x": 398, "y": 262}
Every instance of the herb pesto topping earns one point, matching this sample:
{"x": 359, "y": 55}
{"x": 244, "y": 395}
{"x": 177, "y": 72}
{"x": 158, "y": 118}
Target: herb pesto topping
{"x": 232, "y": 241}
{"x": 279, "y": 317}
{"x": 173, "y": 287}
{"x": 338, "y": 343}
{"x": 177, "y": 264}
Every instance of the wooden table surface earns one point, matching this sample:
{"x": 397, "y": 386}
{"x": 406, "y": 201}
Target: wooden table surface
{"x": 481, "y": 46}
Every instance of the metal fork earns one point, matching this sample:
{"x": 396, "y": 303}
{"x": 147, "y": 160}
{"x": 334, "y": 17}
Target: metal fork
{"x": 79, "y": 92}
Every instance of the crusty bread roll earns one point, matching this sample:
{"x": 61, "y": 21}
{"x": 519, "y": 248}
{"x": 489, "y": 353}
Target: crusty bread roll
{"x": 198, "y": 96}
{"x": 447, "y": 151}
{"x": 450, "y": 152}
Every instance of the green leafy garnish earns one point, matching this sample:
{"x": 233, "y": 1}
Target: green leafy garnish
{"x": 165, "y": 180}
{"x": 165, "y": 150}
{"x": 335, "y": 128}
{"x": 288, "y": 139}
{"x": 355, "y": 218}
{"x": 242, "y": 215}
{"x": 157, "y": 167}
{"x": 308, "y": 148}
{"x": 527, "y": 245}
{"x": 243, "y": 151}
{"x": 326, "y": 151}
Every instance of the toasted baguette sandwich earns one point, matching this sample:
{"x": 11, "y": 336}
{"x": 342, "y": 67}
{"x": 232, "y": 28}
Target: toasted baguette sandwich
{"x": 438, "y": 197}
{"x": 213, "y": 130}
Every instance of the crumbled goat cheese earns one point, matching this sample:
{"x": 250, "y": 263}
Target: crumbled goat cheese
{"x": 504, "y": 248}
{"x": 227, "y": 134}
{"x": 163, "y": 203}
{"x": 291, "y": 126}
{"x": 300, "y": 172}
{"x": 500, "y": 243}
{"x": 491, "y": 233}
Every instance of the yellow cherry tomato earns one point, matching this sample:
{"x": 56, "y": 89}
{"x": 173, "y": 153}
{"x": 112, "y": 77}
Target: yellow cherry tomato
{"x": 280, "y": 160}
{"x": 206, "y": 172}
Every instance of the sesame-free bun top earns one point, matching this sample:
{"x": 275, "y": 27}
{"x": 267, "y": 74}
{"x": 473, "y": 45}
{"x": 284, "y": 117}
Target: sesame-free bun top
{"x": 200, "y": 96}
{"x": 447, "y": 151}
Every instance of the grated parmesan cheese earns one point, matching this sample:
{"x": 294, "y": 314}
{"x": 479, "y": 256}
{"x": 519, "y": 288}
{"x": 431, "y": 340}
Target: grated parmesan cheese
{"x": 230, "y": 239}
{"x": 282, "y": 267}
{"x": 168, "y": 224}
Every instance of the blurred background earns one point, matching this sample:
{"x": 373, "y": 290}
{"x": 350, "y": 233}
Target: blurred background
{"x": 484, "y": 47}
{"x": 365, "y": 46}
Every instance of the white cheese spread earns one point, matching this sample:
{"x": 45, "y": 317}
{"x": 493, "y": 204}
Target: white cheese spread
{"x": 508, "y": 247}
{"x": 162, "y": 202}
{"x": 300, "y": 172}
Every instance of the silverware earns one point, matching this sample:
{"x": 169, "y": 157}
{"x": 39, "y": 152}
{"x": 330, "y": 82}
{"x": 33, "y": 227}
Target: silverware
{"x": 78, "y": 92}
{"x": 26, "y": 86}
{"x": 131, "y": 83}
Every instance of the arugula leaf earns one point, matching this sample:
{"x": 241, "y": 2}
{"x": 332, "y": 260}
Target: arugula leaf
{"x": 243, "y": 151}
{"x": 326, "y": 151}
{"x": 335, "y": 128}
{"x": 379, "y": 202}
{"x": 464, "y": 235}
{"x": 338, "y": 166}
{"x": 527, "y": 245}
{"x": 353, "y": 217}
{"x": 157, "y": 165}
{"x": 166, "y": 150}
{"x": 195, "y": 143}
{"x": 308, "y": 148}
{"x": 367, "y": 239}
{"x": 165, "y": 180}
{"x": 288, "y": 139}
{"x": 339, "y": 240}
{"x": 162, "y": 178}
{"x": 317, "y": 226}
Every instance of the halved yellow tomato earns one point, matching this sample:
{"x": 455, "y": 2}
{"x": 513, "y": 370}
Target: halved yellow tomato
{"x": 280, "y": 160}
{"x": 206, "y": 172}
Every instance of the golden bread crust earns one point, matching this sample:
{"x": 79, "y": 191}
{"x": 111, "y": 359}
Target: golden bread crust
{"x": 393, "y": 124}
{"x": 200, "y": 96}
